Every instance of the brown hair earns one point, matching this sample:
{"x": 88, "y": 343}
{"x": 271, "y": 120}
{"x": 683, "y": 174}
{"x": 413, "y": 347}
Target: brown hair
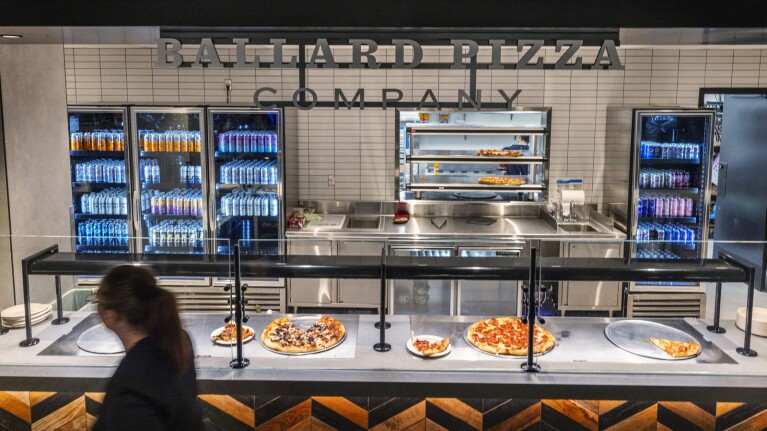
{"x": 133, "y": 293}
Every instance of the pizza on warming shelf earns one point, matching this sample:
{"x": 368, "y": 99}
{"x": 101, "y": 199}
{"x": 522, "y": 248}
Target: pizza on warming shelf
{"x": 429, "y": 348}
{"x": 677, "y": 349}
{"x": 228, "y": 334}
{"x": 499, "y": 153}
{"x": 501, "y": 181}
{"x": 508, "y": 336}
{"x": 282, "y": 335}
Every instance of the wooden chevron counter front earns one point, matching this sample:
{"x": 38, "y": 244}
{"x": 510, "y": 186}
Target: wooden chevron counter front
{"x": 44, "y": 411}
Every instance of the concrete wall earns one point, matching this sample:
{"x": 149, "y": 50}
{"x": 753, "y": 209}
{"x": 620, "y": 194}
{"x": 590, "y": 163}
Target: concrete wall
{"x": 36, "y": 150}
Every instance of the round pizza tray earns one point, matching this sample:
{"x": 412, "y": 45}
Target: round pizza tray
{"x": 633, "y": 336}
{"x": 100, "y": 340}
{"x": 304, "y": 322}
{"x": 495, "y": 355}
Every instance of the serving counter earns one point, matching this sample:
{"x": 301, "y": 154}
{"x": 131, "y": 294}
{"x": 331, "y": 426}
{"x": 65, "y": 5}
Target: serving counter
{"x": 358, "y": 387}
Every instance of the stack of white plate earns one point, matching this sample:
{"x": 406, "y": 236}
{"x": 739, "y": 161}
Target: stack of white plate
{"x": 13, "y": 317}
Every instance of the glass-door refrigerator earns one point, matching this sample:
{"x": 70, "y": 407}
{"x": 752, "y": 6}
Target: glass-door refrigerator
{"x": 246, "y": 169}
{"x": 432, "y": 297}
{"x": 669, "y": 188}
{"x": 170, "y": 180}
{"x": 100, "y": 178}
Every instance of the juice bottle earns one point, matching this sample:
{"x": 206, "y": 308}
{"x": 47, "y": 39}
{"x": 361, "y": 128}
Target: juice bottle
{"x": 177, "y": 142}
{"x": 74, "y": 142}
{"x": 109, "y": 142}
{"x": 184, "y": 141}
{"x": 197, "y": 142}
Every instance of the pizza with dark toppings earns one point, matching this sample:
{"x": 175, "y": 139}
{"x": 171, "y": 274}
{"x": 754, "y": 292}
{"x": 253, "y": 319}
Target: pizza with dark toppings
{"x": 508, "y": 336}
{"x": 284, "y": 336}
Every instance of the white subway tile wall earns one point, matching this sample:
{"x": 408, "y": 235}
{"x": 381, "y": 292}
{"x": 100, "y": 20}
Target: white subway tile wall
{"x": 355, "y": 149}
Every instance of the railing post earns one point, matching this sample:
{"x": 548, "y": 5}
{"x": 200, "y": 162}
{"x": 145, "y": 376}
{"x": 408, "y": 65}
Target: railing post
{"x": 532, "y": 297}
{"x": 60, "y": 319}
{"x": 239, "y": 306}
{"x": 382, "y": 324}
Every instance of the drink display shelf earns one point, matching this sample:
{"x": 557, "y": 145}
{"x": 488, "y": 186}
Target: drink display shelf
{"x": 150, "y": 216}
{"x": 164, "y": 249}
{"x": 670, "y": 190}
{"x": 669, "y": 219}
{"x": 102, "y": 248}
{"x": 664, "y": 162}
{"x": 231, "y": 187}
{"x": 98, "y": 154}
{"x": 228, "y": 155}
{"x": 225, "y": 218}
{"x": 250, "y": 248}
{"x": 156, "y": 154}
{"x": 88, "y": 186}
{"x": 89, "y": 216}
{"x": 170, "y": 185}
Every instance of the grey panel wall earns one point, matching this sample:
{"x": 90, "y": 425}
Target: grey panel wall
{"x": 36, "y": 149}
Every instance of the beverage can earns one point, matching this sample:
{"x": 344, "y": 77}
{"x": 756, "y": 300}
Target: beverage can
{"x": 654, "y": 179}
{"x": 664, "y": 151}
{"x": 680, "y": 207}
{"x": 183, "y": 174}
{"x": 240, "y": 142}
{"x": 668, "y": 181}
{"x": 641, "y": 207}
{"x": 155, "y": 172}
{"x": 688, "y": 151}
{"x": 696, "y": 152}
{"x": 650, "y": 207}
{"x": 688, "y": 210}
{"x": 672, "y": 207}
{"x": 691, "y": 234}
{"x": 260, "y": 142}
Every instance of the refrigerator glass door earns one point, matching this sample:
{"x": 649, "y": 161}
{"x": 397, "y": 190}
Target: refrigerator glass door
{"x": 422, "y": 296}
{"x": 246, "y": 147}
{"x": 488, "y": 297}
{"x": 170, "y": 178}
{"x": 100, "y": 178}
{"x": 672, "y": 150}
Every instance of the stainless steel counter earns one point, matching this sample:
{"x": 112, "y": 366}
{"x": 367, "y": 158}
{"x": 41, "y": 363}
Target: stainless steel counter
{"x": 584, "y": 365}
{"x": 458, "y": 228}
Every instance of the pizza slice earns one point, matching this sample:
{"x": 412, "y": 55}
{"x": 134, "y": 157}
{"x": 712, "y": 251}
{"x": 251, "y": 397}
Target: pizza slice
{"x": 677, "y": 349}
{"x": 429, "y": 348}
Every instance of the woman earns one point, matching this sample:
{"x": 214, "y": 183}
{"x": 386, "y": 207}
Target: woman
{"x": 155, "y": 386}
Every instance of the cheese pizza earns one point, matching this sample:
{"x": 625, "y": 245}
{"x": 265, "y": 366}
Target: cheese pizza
{"x": 284, "y": 336}
{"x": 508, "y": 336}
{"x": 499, "y": 153}
{"x": 501, "y": 181}
{"x": 677, "y": 349}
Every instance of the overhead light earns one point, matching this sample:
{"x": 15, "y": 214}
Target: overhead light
{"x": 11, "y": 36}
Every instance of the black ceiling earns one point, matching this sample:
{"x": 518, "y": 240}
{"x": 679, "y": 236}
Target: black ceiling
{"x": 386, "y": 13}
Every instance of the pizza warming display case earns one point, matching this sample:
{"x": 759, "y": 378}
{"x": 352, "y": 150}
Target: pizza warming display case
{"x": 485, "y": 155}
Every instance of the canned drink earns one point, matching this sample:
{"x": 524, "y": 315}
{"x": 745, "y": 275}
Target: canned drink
{"x": 688, "y": 207}
{"x": 155, "y": 172}
{"x": 680, "y": 207}
{"x": 664, "y": 151}
{"x": 686, "y": 179}
{"x": 650, "y": 207}
{"x": 75, "y": 142}
{"x": 691, "y": 234}
{"x": 260, "y": 142}
{"x": 668, "y": 230}
{"x": 696, "y": 152}
{"x": 688, "y": 151}
{"x": 231, "y": 143}
{"x": 643, "y": 150}
{"x": 668, "y": 181}
{"x": 183, "y": 174}
{"x": 683, "y": 235}
{"x": 663, "y": 207}
{"x": 239, "y": 142}
{"x": 654, "y": 181}
{"x": 672, "y": 207}
{"x": 660, "y": 234}
{"x": 641, "y": 207}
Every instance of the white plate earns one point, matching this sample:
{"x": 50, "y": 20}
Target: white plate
{"x": 32, "y": 317}
{"x": 21, "y": 324}
{"x": 430, "y": 338}
{"x": 233, "y": 342}
{"x": 758, "y": 321}
{"x": 17, "y": 311}
{"x": 100, "y": 340}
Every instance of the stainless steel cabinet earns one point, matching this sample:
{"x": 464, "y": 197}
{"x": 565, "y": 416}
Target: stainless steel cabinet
{"x": 331, "y": 292}
{"x": 311, "y": 291}
{"x": 355, "y": 293}
{"x": 590, "y": 295}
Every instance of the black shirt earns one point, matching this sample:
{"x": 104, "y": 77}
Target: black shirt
{"x": 146, "y": 394}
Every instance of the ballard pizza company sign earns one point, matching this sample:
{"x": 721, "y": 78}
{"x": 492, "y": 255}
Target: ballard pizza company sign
{"x": 363, "y": 56}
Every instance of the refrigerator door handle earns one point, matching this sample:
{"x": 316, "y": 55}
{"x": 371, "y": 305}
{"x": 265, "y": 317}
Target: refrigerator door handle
{"x": 722, "y": 186}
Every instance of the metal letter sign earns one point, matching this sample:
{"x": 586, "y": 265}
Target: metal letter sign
{"x": 465, "y": 52}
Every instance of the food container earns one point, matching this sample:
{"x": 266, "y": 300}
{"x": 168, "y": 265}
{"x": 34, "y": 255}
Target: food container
{"x": 758, "y": 322}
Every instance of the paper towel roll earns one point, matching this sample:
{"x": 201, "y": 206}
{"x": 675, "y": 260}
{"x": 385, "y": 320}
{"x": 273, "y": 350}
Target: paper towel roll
{"x": 577, "y": 197}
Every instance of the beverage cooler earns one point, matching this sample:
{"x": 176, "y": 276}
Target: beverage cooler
{"x": 100, "y": 178}
{"x": 170, "y": 184}
{"x": 669, "y": 188}
{"x": 247, "y": 170}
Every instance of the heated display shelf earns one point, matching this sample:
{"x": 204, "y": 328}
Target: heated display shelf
{"x": 447, "y": 153}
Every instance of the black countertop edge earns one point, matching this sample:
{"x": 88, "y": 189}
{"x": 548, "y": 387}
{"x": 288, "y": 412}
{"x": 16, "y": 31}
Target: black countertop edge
{"x": 399, "y": 267}
{"x": 590, "y": 386}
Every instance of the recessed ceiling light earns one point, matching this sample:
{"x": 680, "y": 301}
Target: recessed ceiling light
{"x": 11, "y": 36}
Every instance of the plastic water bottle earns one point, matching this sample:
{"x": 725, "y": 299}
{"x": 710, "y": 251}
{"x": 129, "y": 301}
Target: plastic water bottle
{"x": 265, "y": 205}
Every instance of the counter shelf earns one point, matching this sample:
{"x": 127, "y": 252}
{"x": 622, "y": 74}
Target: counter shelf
{"x": 728, "y": 268}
